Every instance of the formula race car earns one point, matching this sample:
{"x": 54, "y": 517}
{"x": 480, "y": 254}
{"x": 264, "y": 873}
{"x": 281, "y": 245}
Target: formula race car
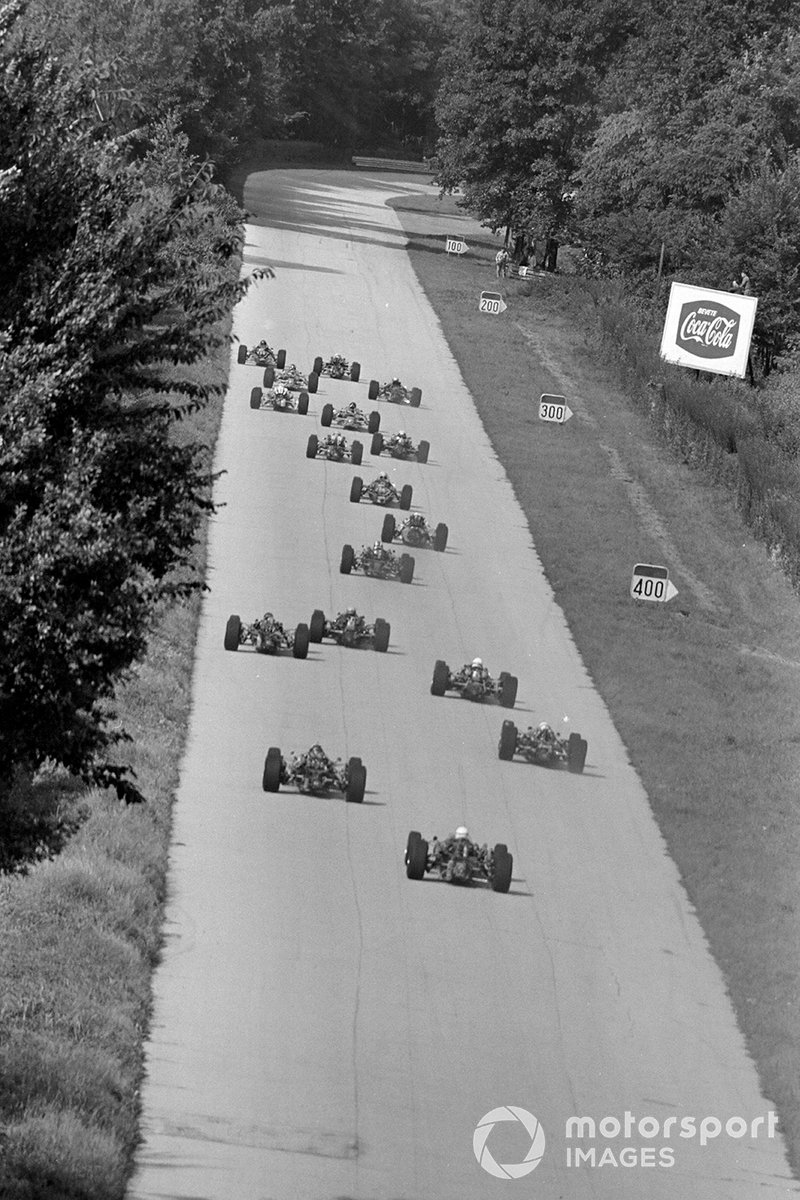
{"x": 334, "y": 447}
{"x": 292, "y": 378}
{"x": 414, "y": 531}
{"x": 394, "y": 392}
{"x": 381, "y": 491}
{"x": 378, "y": 562}
{"x": 267, "y": 636}
{"x": 315, "y": 773}
{"x": 262, "y": 355}
{"x": 459, "y": 860}
{"x": 399, "y": 445}
{"x": 350, "y": 629}
{"x": 350, "y": 417}
{"x": 337, "y": 367}
{"x": 279, "y": 399}
{"x": 474, "y": 682}
{"x": 543, "y": 746}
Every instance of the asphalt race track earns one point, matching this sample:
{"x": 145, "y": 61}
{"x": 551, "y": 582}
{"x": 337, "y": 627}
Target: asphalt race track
{"x": 325, "y": 1028}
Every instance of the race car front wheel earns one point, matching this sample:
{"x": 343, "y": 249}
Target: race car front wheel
{"x": 440, "y": 537}
{"x": 441, "y": 676}
{"x": 316, "y": 628}
{"x": 355, "y": 372}
{"x": 405, "y": 496}
{"x": 255, "y": 398}
{"x": 269, "y": 376}
{"x": 318, "y": 364}
{"x": 502, "y": 867}
{"x": 356, "y": 488}
{"x": 382, "y": 632}
{"x": 576, "y": 753}
{"x": 406, "y": 568}
{"x": 374, "y": 388}
{"x": 356, "y": 453}
{"x": 281, "y": 359}
{"x": 242, "y": 355}
{"x": 326, "y": 416}
{"x": 377, "y": 443}
{"x": 312, "y": 446}
{"x": 415, "y": 397}
{"x": 423, "y": 450}
{"x": 389, "y": 528}
{"x": 302, "y": 403}
{"x": 508, "y": 690}
{"x": 348, "y": 560}
{"x": 313, "y": 382}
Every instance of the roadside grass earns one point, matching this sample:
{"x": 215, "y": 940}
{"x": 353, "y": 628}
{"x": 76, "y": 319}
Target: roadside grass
{"x": 81, "y": 925}
{"x": 705, "y": 690}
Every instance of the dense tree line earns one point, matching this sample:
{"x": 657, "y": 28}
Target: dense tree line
{"x": 670, "y": 124}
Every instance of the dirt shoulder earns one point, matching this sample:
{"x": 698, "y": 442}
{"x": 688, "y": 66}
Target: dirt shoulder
{"x": 705, "y": 690}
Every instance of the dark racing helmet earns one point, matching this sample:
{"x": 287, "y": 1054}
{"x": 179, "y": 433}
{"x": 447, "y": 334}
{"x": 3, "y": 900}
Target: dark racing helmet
{"x": 396, "y": 382}
{"x": 352, "y": 406}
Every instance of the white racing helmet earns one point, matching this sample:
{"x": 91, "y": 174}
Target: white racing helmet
{"x": 477, "y": 662}
{"x": 462, "y": 832}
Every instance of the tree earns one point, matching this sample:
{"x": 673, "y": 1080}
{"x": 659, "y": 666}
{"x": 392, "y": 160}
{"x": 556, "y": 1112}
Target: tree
{"x": 517, "y": 105}
{"x": 115, "y": 272}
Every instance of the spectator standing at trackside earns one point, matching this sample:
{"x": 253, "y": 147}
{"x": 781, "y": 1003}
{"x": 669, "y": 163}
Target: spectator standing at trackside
{"x": 501, "y": 263}
{"x": 742, "y": 285}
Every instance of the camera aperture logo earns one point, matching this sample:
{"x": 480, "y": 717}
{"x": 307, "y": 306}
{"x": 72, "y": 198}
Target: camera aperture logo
{"x": 484, "y": 1155}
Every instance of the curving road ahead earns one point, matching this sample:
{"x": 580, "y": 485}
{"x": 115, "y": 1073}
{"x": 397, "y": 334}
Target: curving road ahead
{"x": 324, "y": 1028}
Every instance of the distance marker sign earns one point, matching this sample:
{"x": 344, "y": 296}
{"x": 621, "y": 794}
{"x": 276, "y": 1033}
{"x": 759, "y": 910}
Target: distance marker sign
{"x": 554, "y": 408}
{"x": 456, "y": 246}
{"x": 650, "y": 582}
{"x": 492, "y": 302}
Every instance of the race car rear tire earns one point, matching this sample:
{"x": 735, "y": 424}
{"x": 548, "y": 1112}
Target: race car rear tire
{"x": 508, "y": 741}
{"x": 440, "y": 537}
{"x": 508, "y": 690}
{"x": 373, "y": 421}
{"x": 302, "y": 403}
{"x": 313, "y": 382}
{"x": 406, "y": 568}
{"x": 242, "y": 354}
{"x": 356, "y": 488}
{"x": 373, "y": 389}
{"x": 312, "y": 446}
{"x": 389, "y": 528}
{"x": 576, "y": 753}
{"x": 301, "y": 640}
{"x": 348, "y": 559}
{"x": 255, "y": 398}
{"x": 280, "y": 359}
{"x": 357, "y": 453}
{"x": 502, "y": 869}
{"x": 415, "y": 397}
{"x": 406, "y": 493}
{"x": 318, "y": 365}
{"x": 273, "y": 766}
{"x": 423, "y": 450}
{"x": 326, "y": 416}
{"x": 232, "y": 633}
{"x": 355, "y": 371}
{"x": 441, "y": 676}
{"x": 377, "y": 443}
{"x": 356, "y": 781}
{"x": 316, "y": 626}
{"x": 416, "y": 856}
{"x": 380, "y": 641}
{"x": 269, "y": 377}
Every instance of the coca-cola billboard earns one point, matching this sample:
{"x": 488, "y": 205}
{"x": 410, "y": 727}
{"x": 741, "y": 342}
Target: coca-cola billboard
{"x": 708, "y": 330}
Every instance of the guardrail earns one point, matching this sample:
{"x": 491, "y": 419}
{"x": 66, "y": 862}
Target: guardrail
{"x": 392, "y": 164}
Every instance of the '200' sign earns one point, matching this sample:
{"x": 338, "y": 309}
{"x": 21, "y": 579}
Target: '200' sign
{"x": 492, "y": 302}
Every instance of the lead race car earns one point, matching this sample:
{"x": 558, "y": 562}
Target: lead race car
{"x": 350, "y": 417}
{"x": 473, "y": 682}
{"x": 337, "y": 367}
{"x": 266, "y": 635}
{"x": 394, "y": 392}
{"x": 279, "y": 399}
{"x": 381, "y": 491}
{"x": 314, "y": 774}
{"x": 400, "y": 445}
{"x": 334, "y": 448}
{"x": 543, "y": 746}
{"x": 378, "y": 562}
{"x": 350, "y": 629}
{"x": 459, "y": 860}
{"x": 414, "y": 531}
{"x": 261, "y": 355}
{"x": 292, "y": 378}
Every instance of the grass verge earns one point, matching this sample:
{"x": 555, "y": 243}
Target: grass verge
{"x": 82, "y": 930}
{"x": 705, "y": 691}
